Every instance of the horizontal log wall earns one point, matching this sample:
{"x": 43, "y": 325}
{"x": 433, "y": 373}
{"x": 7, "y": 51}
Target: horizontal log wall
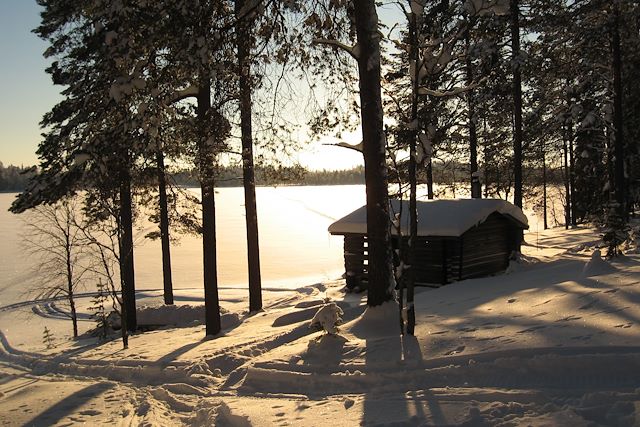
{"x": 481, "y": 251}
{"x": 486, "y": 248}
{"x": 356, "y": 260}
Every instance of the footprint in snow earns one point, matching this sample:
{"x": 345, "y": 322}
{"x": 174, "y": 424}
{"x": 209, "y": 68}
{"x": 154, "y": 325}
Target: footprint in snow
{"x": 569, "y": 318}
{"x": 582, "y": 337}
{"x": 532, "y": 329}
{"x": 589, "y": 305}
{"x": 348, "y": 403}
{"x": 624, "y": 325}
{"x": 457, "y": 350}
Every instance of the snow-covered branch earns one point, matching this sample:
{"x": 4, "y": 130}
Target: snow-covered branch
{"x": 357, "y": 147}
{"x": 188, "y": 92}
{"x": 354, "y": 50}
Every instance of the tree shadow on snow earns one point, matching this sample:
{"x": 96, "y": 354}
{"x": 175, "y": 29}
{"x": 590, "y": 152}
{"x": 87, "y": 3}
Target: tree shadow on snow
{"x": 69, "y": 405}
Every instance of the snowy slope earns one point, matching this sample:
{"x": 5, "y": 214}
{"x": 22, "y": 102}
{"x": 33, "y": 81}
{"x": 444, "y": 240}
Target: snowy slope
{"x": 553, "y": 342}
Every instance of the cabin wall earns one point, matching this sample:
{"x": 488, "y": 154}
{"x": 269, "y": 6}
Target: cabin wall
{"x": 435, "y": 260}
{"x": 356, "y": 260}
{"x": 486, "y": 249}
{"x": 481, "y": 251}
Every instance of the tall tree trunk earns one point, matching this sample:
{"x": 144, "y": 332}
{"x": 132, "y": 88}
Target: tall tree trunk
{"x": 69, "y": 274}
{"x": 544, "y": 188}
{"x": 618, "y": 115}
{"x": 476, "y": 188}
{"x": 243, "y": 31}
{"x": 413, "y": 182}
{"x": 517, "y": 103}
{"x": 565, "y": 176}
{"x": 381, "y": 279}
{"x": 164, "y": 229}
{"x": 572, "y": 177}
{"x": 206, "y": 170}
{"x": 127, "y": 275}
{"x": 429, "y": 179}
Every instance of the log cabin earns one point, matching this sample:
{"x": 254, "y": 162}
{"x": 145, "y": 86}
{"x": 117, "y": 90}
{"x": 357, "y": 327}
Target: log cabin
{"x": 457, "y": 239}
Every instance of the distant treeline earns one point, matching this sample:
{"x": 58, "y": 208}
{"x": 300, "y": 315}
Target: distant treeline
{"x": 14, "y": 178}
{"x": 231, "y": 176}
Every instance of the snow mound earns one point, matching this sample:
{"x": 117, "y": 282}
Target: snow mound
{"x": 597, "y": 266}
{"x": 378, "y": 321}
{"x": 521, "y": 262}
{"x": 325, "y": 350}
{"x": 328, "y": 317}
{"x": 226, "y": 418}
{"x": 180, "y": 316}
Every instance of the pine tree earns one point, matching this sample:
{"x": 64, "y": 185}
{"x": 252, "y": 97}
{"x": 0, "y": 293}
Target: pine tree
{"x": 47, "y": 338}
{"x": 98, "y": 306}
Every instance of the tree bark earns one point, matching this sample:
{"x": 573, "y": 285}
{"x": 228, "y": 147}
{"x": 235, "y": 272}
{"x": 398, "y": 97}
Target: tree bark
{"x": 565, "y": 176}
{"x": 243, "y": 31}
{"x": 476, "y": 188}
{"x": 413, "y": 183}
{"x": 381, "y": 279}
{"x": 618, "y": 115}
{"x": 429, "y": 180}
{"x": 70, "y": 296}
{"x": 544, "y": 189}
{"x": 517, "y": 104}
{"x": 572, "y": 177}
{"x": 164, "y": 229}
{"x": 207, "y": 185}
{"x": 127, "y": 274}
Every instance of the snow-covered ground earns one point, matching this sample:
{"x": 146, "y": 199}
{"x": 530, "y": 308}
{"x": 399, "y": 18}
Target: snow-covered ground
{"x": 555, "y": 341}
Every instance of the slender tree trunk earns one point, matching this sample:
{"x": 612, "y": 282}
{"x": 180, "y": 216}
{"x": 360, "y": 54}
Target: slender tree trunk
{"x": 164, "y": 229}
{"x": 381, "y": 279}
{"x": 476, "y": 188}
{"x": 517, "y": 103}
{"x": 544, "y": 189}
{"x": 127, "y": 275}
{"x": 429, "y": 179}
{"x": 565, "y": 175}
{"x": 70, "y": 296}
{"x": 205, "y": 159}
{"x": 413, "y": 183}
{"x": 572, "y": 177}
{"x": 618, "y": 115}
{"x": 243, "y": 31}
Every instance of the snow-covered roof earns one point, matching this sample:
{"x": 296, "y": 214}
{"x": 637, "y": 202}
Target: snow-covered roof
{"x": 451, "y": 217}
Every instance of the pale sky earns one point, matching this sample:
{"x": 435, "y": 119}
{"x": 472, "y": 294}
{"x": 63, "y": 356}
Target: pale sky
{"x": 27, "y": 94}
{"x": 26, "y": 90}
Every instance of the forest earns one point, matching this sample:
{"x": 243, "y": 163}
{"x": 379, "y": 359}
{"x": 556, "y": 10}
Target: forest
{"x": 511, "y": 94}
{"x": 14, "y": 178}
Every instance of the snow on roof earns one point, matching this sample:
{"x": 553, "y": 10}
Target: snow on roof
{"x": 450, "y": 217}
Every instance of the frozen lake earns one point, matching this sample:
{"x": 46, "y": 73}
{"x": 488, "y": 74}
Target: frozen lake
{"x": 295, "y": 247}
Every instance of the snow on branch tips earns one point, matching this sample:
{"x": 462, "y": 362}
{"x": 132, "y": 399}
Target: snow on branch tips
{"x": 354, "y": 50}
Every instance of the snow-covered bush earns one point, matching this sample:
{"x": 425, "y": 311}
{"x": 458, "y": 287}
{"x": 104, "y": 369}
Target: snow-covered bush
{"x": 328, "y": 317}
{"x": 616, "y": 231}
